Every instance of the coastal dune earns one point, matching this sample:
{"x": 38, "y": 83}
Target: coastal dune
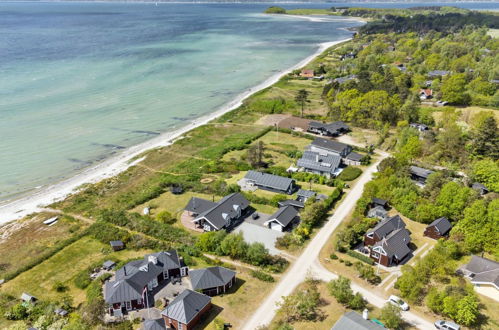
{"x": 16, "y": 209}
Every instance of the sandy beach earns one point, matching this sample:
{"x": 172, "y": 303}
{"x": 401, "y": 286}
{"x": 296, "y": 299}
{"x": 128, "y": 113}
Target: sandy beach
{"x": 16, "y": 209}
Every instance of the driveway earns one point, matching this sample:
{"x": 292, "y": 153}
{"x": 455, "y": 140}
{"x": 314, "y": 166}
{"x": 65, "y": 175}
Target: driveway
{"x": 307, "y": 262}
{"x": 257, "y": 233}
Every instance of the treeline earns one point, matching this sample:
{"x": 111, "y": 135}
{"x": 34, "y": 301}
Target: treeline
{"x": 387, "y": 72}
{"x": 446, "y": 23}
{"x": 233, "y": 245}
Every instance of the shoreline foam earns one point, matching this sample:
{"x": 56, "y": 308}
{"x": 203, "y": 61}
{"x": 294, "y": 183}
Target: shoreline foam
{"x": 16, "y": 209}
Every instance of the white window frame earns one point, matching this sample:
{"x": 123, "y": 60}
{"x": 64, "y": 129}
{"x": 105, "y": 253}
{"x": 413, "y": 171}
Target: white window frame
{"x": 128, "y": 305}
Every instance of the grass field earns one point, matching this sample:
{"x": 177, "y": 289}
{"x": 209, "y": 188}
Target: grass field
{"x": 494, "y": 33}
{"x": 240, "y": 303}
{"x": 467, "y": 114}
{"x": 63, "y": 267}
{"x": 24, "y": 241}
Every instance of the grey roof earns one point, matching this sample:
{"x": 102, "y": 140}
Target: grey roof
{"x": 377, "y": 211}
{"x": 61, "y": 312}
{"x": 292, "y": 203}
{"x": 442, "y": 224}
{"x": 284, "y": 215}
{"x": 331, "y": 145}
{"x": 479, "y": 186}
{"x": 211, "y": 277}
{"x": 108, "y": 264}
{"x": 386, "y": 226}
{"x": 186, "y": 306}
{"x": 379, "y": 201}
{"x": 27, "y": 297}
{"x": 157, "y": 324}
{"x": 131, "y": 279}
{"x": 395, "y": 244}
{"x": 269, "y": 180}
{"x": 435, "y": 73}
{"x": 354, "y": 156}
{"x": 317, "y": 162}
{"x": 342, "y": 80}
{"x": 116, "y": 243}
{"x": 354, "y": 321}
{"x": 305, "y": 193}
{"x": 199, "y": 205}
{"x": 419, "y": 171}
{"x": 226, "y": 207}
{"x": 485, "y": 270}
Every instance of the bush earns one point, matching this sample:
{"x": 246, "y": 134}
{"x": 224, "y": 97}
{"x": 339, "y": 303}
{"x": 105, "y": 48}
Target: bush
{"x": 333, "y": 256}
{"x": 360, "y": 256}
{"x": 275, "y": 10}
{"x": 165, "y": 217}
{"x": 348, "y": 263}
{"x": 350, "y": 173}
{"x": 82, "y": 279}
{"x": 262, "y": 276}
{"x": 59, "y": 287}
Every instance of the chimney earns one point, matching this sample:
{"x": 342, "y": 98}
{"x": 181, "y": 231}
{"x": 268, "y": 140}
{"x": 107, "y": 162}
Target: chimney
{"x": 365, "y": 314}
{"x": 153, "y": 259}
{"x": 317, "y": 158}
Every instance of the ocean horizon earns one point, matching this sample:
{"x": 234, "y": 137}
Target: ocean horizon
{"x": 81, "y": 82}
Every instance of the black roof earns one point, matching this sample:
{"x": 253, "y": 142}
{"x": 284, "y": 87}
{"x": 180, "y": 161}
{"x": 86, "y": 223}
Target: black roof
{"x": 269, "y": 180}
{"x": 379, "y": 201}
{"x": 131, "y": 279}
{"x": 157, "y": 324}
{"x": 396, "y": 243}
{"x": 292, "y": 203}
{"x": 199, "y": 205}
{"x": 229, "y": 206}
{"x": 331, "y": 145}
{"x": 385, "y": 227}
{"x": 354, "y": 156}
{"x": 186, "y": 306}
{"x": 419, "y": 171}
{"x": 284, "y": 215}
{"x": 211, "y": 277}
{"x": 442, "y": 224}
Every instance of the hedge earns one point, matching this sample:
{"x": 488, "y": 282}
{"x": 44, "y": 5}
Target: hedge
{"x": 360, "y": 256}
{"x": 350, "y": 173}
{"x": 262, "y": 276}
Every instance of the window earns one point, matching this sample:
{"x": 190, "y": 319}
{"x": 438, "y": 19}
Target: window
{"x": 128, "y": 305}
{"x": 375, "y": 255}
{"x": 180, "y": 326}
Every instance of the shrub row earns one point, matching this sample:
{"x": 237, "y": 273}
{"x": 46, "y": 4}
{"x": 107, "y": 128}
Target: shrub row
{"x": 350, "y": 173}
{"x": 360, "y": 256}
{"x": 262, "y": 276}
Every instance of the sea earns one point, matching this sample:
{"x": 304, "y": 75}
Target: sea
{"x": 83, "y": 81}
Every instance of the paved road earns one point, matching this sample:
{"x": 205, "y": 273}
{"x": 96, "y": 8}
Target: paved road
{"x": 307, "y": 263}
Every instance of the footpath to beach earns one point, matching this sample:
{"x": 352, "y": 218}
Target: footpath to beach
{"x": 34, "y": 202}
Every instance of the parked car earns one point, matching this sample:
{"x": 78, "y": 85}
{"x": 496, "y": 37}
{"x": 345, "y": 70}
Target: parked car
{"x": 441, "y": 324}
{"x": 255, "y": 215}
{"x": 394, "y": 300}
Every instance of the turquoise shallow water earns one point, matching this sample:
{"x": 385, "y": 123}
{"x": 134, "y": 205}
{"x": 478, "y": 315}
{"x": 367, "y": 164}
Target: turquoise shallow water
{"x": 81, "y": 81}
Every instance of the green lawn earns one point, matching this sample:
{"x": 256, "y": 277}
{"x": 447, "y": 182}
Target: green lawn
{"x": 30, "y": 238}
{"x": 63, "y": 267}
{"x": 494, "y": 33}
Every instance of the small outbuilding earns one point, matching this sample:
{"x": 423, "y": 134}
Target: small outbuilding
{"x": 61, "y": 312}
{"x": 282, "y": 219}
{"x": 291, "y": 202}
{"x": 108, "y": 265}
{"x": 212, "y": 281}
{"x": 303, "y": 195}
{"x": 480, "y": 188}
{"x": 379, "y": 202}
{"x": 26, "y": 297}
{"x": 307, "y": 73}
{"x": 117, "y": 245}
{"x": 438, "y": 228}
{"x": 377, "y": 212}
{"x": 186, "y": 310}
{"x": 419, "y": 174}
{"x": 156, "y": 324}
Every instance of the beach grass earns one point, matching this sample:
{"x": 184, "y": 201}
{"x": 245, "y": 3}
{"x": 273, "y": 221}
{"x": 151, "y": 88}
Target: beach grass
{"x": 25, "y": 241}
{"x": 309, "y": 11}
{"x": 63, "y": 267}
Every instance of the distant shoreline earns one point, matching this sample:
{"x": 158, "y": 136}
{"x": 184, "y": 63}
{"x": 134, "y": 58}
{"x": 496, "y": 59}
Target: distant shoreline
{"x": 34, "y": 201}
